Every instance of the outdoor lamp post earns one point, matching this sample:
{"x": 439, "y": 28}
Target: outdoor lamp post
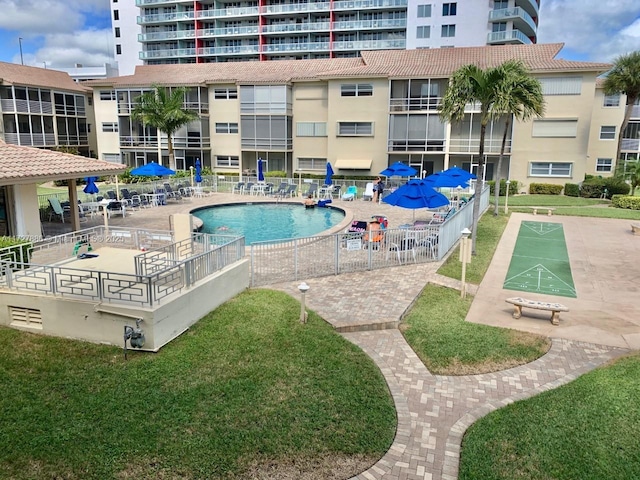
{"x": 465, "y": 257}
{"x": 191, "y": 174}
{"x": 299, "y": 182}
{"x": 134, "y": 335}
{"x": 304, "y": 288}
{"x": 506, "y": 198}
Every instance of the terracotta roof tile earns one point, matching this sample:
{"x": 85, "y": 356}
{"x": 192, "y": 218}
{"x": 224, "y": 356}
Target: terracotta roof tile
{"x": 29, "y": 165}
{"x": 13, "y": 74}
{"x": 426, "y": 63}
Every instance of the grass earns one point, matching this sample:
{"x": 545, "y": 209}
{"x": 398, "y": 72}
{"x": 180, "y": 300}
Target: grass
{"x": 585, "y": 430}
{"x": 248, "y": 392}
{"x": 599, "y": 212}
{"x": 448, "y": 345}
{"x": 550, "y": 201}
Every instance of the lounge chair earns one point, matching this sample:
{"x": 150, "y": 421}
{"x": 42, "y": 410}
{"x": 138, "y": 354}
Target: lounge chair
{"x": 337, "y": 190}
{"x": 238, "y": 188}
{"x": 291, "y": 190}
{"x": 247, "y": 188}
{"x": 281, "y": 190}
{"x": 368, "y": 192}
{"x": 171, "y": 193}
{"x": 312, "y": 190}
{"x": 374, "y": 236}
{"x": 402, "y": 244}
{"x": 350, "y": 194}
{"x": 439, "y": 218}
{"x": 58, "y": 209}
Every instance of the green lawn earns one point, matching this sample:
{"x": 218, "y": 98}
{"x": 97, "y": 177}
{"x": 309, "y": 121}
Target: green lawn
{"x": 587, "y": 430}
{"x": 248, "y": 389}
{"x": 550, "y": 200}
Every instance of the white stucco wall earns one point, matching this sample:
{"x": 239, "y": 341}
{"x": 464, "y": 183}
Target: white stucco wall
{"x": 27, "y": 214}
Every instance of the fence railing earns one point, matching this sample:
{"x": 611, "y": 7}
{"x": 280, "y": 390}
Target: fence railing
{"x": 147, "y": 287}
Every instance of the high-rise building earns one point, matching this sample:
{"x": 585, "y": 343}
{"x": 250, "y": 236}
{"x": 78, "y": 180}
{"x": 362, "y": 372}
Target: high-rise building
{"x": 201, "y": 31}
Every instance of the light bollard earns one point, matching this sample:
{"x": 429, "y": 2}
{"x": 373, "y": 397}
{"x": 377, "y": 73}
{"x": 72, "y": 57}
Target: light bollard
{"x": 506, "y": 198}
{"x": 465, "y": 257}
{"x": 304, "y": 288}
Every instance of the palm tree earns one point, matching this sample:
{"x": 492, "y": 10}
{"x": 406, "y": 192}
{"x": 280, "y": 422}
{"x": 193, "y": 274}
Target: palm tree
{"x": 520, "y": 97}
{"x": 472, "y": 84}
{"x": 163, "y": 109}
{"x": 624, "y": 77}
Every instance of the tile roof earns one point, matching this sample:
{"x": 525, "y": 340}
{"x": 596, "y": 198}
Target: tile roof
{"x": 426, "y": 63}
{"x": 30, "y": 165}
{"x": 14, "y": 74}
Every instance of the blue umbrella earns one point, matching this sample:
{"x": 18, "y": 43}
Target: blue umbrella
{"x": 91, "y": 188}
{"x": 198, "y": 171}
{"x": 327, "y": 180}
{"x": 441, "y": 179}
{"x": 456, "y": 172}
{"x": 416, "y": 194}
{"x": 260, "y": 172}
{"x": 152, "y": 169}
{"x": 399, "y": 169}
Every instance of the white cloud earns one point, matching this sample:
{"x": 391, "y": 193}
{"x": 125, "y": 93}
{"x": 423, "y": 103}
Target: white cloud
{"x": 599, "y": 29}
{"x": 88, "y": 47}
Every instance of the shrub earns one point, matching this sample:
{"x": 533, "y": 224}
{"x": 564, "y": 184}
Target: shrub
{"x": 572, "y": 189}
{"x": 598, "y": 187}
{"x": 545, "y": 189}
{"x": 626, "y": 201}
{"x": 276, "y": 173}
{"x": 616, "y": 186}
{"x": 593, "y": 188}
{"x": 513, "y": 187}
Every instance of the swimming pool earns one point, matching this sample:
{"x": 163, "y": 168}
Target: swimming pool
{"x": 260, "y": 222}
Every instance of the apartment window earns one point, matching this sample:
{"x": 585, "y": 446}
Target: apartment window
{"x": 423, "y": 32}
{"x": 116, "y": 15}
{"x": 549, "y": 169}
{"x": 356, "y": 90}
{"x": 607, "y": 132}
{"x": 355, "y": 128}
{"x": 499, "y": 27}
{"x": 555, "y": 128}
{"x": 448, "y": 31}
{"x": 227, "y": 161}
{"x": 604, "y": 164}
{"x": 225, "y": 93}
{"x": 561, "y": 85}
{"x": 500, "y": 4}
{"x": 111, "y": 157}
{"x": 612, "y": 100}
{"x": 311, "y": 129}
{"x": 110, "y": 127}
{"x": 117, "y": 32}
{"x": 107, "y": 94}
{"x": 312, "y": 163}
{"x": 118, "y": 49}
{"x": 226, "y": 128}
{"x": 115, "y": 1}
{"x": 449, "y": 9}
{"x": 424, "y": 11}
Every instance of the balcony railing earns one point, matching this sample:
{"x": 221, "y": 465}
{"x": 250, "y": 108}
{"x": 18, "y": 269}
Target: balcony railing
{"x": 522, "y": 20}
{"x": 186, "y": 142}
{"x": 295, "y": 47}
{"x": 267, "y": 143}
{"x": 365, "y": 4}
{"x": 296, "y": 8}
{"x": 169, "y": 53}
{"x": 371, "y": 24}
{"x": 511, "y": 36}
{"x": 228, "y": 32}
{"x": 144, "y": 3}
{"x": 411, "y": 145}
{"x": 146, "y": 142}
{"x": 297, "y": 27}
{"x": 472, "y": 145}
{"x": 370, "y": 45}
{"x": 630, "y": 145}
{"x": 229, "y": 50}
{"x": 228, "y": 12}
{"x": 530, "y": 6}
{"x": 158, "y": 36}
{"x": 25, "y": 106}
{"x": 81, "y": 139}
{"x": 31, "y": 139}
{"x": 165, "y": 17}
{"x": 412, "y": 104}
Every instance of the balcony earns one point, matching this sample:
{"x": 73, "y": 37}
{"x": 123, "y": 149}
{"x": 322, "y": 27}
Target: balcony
{"x": 521, "y": 19}
{"x": 146, "y": 3}
{"x": 296, "y": 8}
{"x": 368, "y": 4}
{"x": 169, "y": 53}
{"x": 511, "y": 36}
{"x": 228, "y": 13}
{"x": 296, "y": 27}
{"x": 295, "y": 47}
{"x": 472, "y": 145}
{"x": 25, "y": 106}
{"x": 161, "y": 36}
{"x": 31, "y": 139}
{"x": 415, "y": 145}
{"x": 165, "y": 17}
{"x": 386, "y": 24}
{"x": 370, "y": 45}
{"x": 251, "y": 30}
{"x": 415, "y": 104}
{"x": 229, "y": 50}
{"x": 630, "y": 145}
{"x": 139, "y": 141}
{"x": 183, "y": 142}
{"x": 531, "y": 6}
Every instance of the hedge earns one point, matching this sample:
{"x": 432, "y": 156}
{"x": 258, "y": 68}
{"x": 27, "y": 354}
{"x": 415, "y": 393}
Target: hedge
{"x": 597, "y": 187}
{"x": 545, "y": 189}
{"x": 626, "y": 201}
{"x": 572, "y": 189}
{"x": 513, "y": 187}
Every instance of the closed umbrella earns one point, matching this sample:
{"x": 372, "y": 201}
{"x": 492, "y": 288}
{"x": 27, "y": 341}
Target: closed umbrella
{"x": 327, "y": 179}
{"x": 260, "y": 171}
{"x": 198, "y": 171}
{"x": 91, "y": 188}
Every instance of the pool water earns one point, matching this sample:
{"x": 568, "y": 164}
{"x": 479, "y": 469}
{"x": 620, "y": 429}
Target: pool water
{"x": 260, "y": 222}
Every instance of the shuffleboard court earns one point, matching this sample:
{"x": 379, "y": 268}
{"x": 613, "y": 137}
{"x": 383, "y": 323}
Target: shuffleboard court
{"x": 540, "y": 262}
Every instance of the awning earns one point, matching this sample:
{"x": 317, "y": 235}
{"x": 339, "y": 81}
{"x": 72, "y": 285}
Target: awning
{"x": 353, "y": 164}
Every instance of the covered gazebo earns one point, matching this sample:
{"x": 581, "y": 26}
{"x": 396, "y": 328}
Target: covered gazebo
{"x": 23, "y": 168}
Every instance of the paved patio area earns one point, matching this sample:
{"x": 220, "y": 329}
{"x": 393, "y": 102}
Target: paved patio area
{"x": 435, "y": 411}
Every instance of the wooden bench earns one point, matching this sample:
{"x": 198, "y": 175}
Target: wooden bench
{"x": 554, "y": 308}
{"x": 635, "y": 228}
{"x": 548, "y": 209}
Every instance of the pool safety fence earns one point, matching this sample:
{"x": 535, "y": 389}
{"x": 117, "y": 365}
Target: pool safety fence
{"x": 323, "y": 255}
{"x": 184, "y": 264}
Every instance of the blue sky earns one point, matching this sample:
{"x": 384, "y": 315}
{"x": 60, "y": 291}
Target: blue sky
{"x": 61, "y": 33}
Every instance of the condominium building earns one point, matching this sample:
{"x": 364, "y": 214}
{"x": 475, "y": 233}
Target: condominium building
{"x": 363, "y": 114}
{"x": 201, "y": 31}
{"x": 44, "y": 108}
